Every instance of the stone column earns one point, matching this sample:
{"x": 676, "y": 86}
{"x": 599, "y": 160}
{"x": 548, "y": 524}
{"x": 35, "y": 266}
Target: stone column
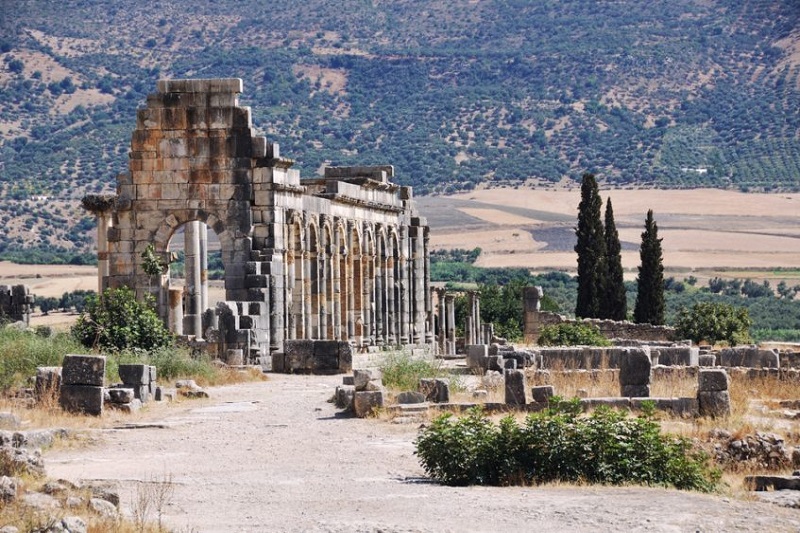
{"x": 380, "y": 325}
{"x": 442, "y": 334}
{"x": 391, "y": 307}
{"x": 203, "y": 252}
{"x": 176, "y": 310}
{"x": 403, "y": 283}
{"x": 193, "y": 279}
{"x": 368, "y": 304}
{"x": 307, "y": 308}
{"x": 324, "y": 306}
{"x": 451, "y": 324}
{"x": 428, "y": 296}
{"x": 104, "y": 222}
{"x": 336, "y": 315}
{"x": 419, "y": 286}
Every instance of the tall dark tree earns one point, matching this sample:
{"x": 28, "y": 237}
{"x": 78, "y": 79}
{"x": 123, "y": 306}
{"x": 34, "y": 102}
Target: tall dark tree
{"x": 615, "y": 303}
{"x": 650, "y": 299}
{"x": 591, "y": 249}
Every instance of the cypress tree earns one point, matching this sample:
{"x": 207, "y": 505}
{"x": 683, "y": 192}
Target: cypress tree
{"x": 615, "y": 303}
{"x": 650, "y": 299}
{"x": 591, "y": 250}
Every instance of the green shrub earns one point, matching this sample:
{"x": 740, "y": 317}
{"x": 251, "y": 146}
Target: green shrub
{"x": 117, "y": 321}
{"x": 22, "y": 351}
{"x": 572, "y": 334}
{"x": 713, "y": 322}
{"x": 560, "y": 444}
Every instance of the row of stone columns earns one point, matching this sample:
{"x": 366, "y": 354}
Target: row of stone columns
{"x": 369, "y": 298}
{"x": 447, "y": 322}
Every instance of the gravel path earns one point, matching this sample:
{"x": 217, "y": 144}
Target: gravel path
{"x": 274, "y": 456}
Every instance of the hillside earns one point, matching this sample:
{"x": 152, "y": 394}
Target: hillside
{"x": 673, "y": 93}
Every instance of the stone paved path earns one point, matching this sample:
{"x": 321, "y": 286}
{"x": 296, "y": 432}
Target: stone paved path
{"x": 274, "y": 456}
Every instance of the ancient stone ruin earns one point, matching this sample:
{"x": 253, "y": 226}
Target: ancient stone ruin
{"x": 340, "y": 257}
{"x": 16, "y": 303}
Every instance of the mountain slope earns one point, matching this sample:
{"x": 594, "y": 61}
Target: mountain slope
{"x": 453, "y": 93}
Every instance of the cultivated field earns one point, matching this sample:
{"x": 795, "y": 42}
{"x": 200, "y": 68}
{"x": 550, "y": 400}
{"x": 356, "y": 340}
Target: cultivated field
{"x": 706, "y": 232}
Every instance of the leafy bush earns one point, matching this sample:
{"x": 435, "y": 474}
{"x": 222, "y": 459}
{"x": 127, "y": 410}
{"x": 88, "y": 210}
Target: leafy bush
{"x": 572, "y": 334}
{"x": 713, "y": 322}
{"x": 23, "y": 351}
{"x": 560, "y": 444}
{"x": 117, "y": 321}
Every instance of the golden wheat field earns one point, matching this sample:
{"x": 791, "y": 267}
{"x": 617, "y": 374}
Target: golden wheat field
{"x": 705, "y": 232}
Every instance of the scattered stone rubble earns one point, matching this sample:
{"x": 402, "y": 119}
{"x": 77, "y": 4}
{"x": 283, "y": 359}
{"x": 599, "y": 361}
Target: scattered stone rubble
{"x": 766, "y": 451}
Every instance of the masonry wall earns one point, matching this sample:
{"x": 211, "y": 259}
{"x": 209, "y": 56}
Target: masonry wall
{"x": 342, "y": 257}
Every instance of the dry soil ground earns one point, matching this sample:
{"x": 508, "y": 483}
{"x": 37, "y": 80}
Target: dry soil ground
{"x": 274, "y": 456}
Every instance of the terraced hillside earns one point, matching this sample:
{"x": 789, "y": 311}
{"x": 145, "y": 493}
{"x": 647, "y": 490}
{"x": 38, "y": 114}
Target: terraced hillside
{"x": 455, "y": 93}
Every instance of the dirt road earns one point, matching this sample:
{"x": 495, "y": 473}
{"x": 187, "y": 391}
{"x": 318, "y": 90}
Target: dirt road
{"x": 274, "y": 456}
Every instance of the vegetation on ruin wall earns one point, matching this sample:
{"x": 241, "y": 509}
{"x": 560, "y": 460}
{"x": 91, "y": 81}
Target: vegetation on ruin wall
{"x": 560, "y": 444}
{"x": 675, "y": 94}
{"x": 22, "y": 351}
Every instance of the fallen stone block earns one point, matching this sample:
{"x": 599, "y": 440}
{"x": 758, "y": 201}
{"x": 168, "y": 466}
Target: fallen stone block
{"x": 714, "y": 403}
{"x": 366, "y": 402}
{"x": 348, "y": 380}
{"x": 477, "y": 356}
{"x": 542, "y": 393}
{"x": 121, "y": 395}
{"x": 83, "y": 370}
{"x": 82, "y": 399}
{"x": 130, "y": 407}
{"x": 515, "y": 387}
{"x": 345, "y": 357}
{"x": 343, "y": 397}
{"x": 410, "y": 397}
{"x": 762, "y": 483}
{"x": 713, "y": 380}
{"x": 134, "y": 374}
{"x": 495, "y": 363}
{"x": 165, "y": 395}
{"x": 189, "y": 389}
{"x": 362, "y": 378}
{"x": 436, "y": 390}
{"x": 510, "y": 364}
{"x": 48, "y": 381}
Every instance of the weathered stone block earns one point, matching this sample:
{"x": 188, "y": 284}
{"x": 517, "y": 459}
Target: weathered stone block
{"x": 477, "y": 355}
{"x": 278, "y": 362}
{"x": 515, "y": 387}
{"x": 707, "y": 360}
{"x": 509, "y": 364}
{"x": 345, "y": 357}
{"x": 542, "y": 393}
{"x": 635, "y": 367}
{"x": 612, "y": 403}
{"x": 495, "y": 363}
{"x": 362, "y": 377}
{"x": 83, "y": 370}
{"x": 134, "y": 374}
{"x": 48, "y": 381}
{"x": 348, "y": 380}
{"x": 714, "y": 403}
{"x": 85, "y": 399}
{"x": 635, "y": 391}
{"x": 436, "y": 390}
{"x": 121, "y": 395}
{"x": 343, "y": 397}
{"x": 410, "y": 397}
{"x": 713, "y": 380}
{"x": 366, "y": 402}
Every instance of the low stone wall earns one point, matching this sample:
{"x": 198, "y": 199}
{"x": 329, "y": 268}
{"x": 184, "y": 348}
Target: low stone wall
{"x": 304, "y": 356}
{"x": 534, "y": 321}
